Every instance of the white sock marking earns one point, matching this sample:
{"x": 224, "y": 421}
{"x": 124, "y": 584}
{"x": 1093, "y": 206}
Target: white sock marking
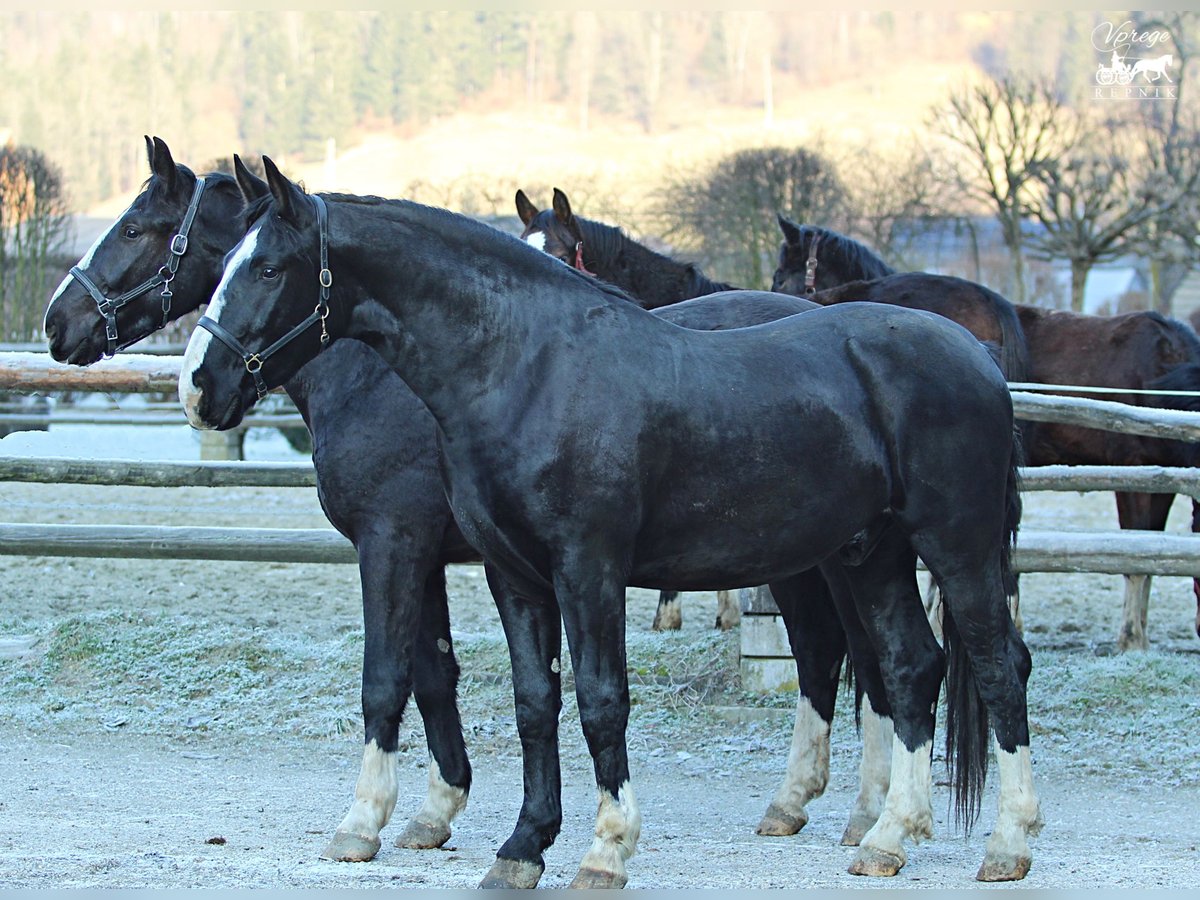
{"x": 618, "y": 825}
{"x": 442, "y": 801}
{"x": 808, "y": 761}
{"x": 875, "y": 769}
{"x": 374, "y": 794}
{"x": 1019, "y": 813}
{"x": 908, "y": 810}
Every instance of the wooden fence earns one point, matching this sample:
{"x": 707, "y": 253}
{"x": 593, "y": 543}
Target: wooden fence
{"x": 1114, "y": 552}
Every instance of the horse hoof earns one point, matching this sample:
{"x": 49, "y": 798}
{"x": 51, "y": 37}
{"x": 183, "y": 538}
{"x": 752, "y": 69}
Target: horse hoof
{"x": 777, "y": 823}
{"x": 877, "y": 863}
{"x": 856, "y": 830}
{"x": 346, "y": 847}
{"x": 513, "y": 874}
{"x": 420, "y": 835}
{"x": 1003, "y": 868}
{"x": 594, "y": 879}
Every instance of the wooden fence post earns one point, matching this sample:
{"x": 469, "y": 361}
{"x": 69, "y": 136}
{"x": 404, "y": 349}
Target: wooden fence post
{"x": 223, "y": 444}
{"x": 766, "y": 662}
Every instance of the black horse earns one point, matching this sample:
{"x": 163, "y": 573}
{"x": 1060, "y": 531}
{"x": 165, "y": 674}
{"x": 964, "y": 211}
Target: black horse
{"x": 652, "y": 279}
{"x": 1139, "y": 350}
{"x": 606, "y": 252}
{"x": 401, "y": 526}
{"x": 588, "y": 445}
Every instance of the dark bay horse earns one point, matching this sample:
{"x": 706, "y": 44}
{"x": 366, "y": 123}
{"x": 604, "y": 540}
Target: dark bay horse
{"x": 401, "y": 527}
{"x": 588, "y": 445}
{"x": 1136, "y": 351}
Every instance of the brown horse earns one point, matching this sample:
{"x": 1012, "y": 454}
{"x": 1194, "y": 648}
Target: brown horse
{"x": 1134, "y": 351}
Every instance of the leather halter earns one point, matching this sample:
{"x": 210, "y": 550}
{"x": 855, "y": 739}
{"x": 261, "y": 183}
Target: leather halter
{"x": 254, "y": 361}
{"x": 810, "y": 267}
{"x": 108, "y": 306}
{"x": 579, "y": 259}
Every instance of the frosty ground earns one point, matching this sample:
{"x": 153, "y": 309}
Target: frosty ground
{"x": 186, "y": 724}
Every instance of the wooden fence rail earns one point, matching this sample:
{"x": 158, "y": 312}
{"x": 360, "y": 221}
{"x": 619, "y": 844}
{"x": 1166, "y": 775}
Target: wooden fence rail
{"x": 163, "y": 473}
{"x": 1110, "y": 552}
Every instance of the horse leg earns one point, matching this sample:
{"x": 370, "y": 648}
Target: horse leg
{"x": 1146, "y": 512}
{"x": 911, "y": 664}
{"x": 819, "y": 646}
{"x": 669, "y": 614}
{"x": 992, "y": 666}
{"x": 1196, "y": 581}
{"x": 729, "y": 614}
{"x": 874, "y": 717}
{"x": 533, "y": 629}
{"x": 591, "y": 599}
{"x": 390, "y": 570}
{"x": 435, "y": 689}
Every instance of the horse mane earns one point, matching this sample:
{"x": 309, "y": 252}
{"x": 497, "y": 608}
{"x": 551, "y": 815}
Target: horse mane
{"x": 258, "y": 207}
{"x": 860, "y": 260}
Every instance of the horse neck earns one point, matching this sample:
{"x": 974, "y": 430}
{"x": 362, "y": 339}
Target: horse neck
{"x": 653, "y": 279}
{"x": 455, "y": 333}
{"x": 851, "y": 260}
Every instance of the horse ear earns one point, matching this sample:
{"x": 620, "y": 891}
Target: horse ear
{"x": 525, "y": 209}
{"x": 252, "y": 187}
{"x": 284, "y": 192}
{"x": 149, "y": 151}
{"x": 562, "y": 208}
{"x": 791, "y": 231}
{"x": 162, "y": 165}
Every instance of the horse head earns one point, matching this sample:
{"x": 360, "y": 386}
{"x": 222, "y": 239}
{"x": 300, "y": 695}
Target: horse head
{"x": 553, "y": 230}
{"x": 158, "y": 261}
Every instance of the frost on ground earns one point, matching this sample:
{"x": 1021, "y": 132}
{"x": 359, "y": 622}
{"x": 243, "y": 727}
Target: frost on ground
{"x": 197, "y": 724}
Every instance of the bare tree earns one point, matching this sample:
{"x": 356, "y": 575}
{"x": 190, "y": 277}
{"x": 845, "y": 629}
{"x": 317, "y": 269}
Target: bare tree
{"x": 1006, "y": 128}
{"x": 1171, "y": 242}
{"x": 895, "y": 196}
{"x": 33, "y": 231}
{"x": 727, "y": 215}
{"x": 1099, "y": 195}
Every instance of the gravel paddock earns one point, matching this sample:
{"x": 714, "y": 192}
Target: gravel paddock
{"x": 191, "y": 724}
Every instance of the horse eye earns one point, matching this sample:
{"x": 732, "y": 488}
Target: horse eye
{"x": 270, "y": 272}
{"x": 131, "y": 232}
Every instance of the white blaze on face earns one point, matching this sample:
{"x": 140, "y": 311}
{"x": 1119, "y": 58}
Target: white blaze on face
{"x": 83, "y": 263}
{"x": 201, "y": 339}
{"x": 537, "y": 239}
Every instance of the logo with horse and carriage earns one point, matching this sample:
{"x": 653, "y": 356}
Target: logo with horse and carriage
{"x": 1116, "y": 76}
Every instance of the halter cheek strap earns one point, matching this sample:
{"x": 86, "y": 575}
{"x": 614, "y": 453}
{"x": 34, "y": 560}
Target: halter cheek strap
{"x": 254, "y": 361}
{"x": 810, "y": 267}
{"x": 108, "y": 306}
{"x": 579, "y": 259}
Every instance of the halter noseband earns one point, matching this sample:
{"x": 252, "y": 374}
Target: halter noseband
{"x": 108, "y": 306}
{"x": 254, "y": 361}
{"x": 810, "y": 267}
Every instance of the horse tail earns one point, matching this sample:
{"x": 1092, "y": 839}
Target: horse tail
{"x": 967, "y": 722}
{"x": 1014, "y": 348}
{"x": 966, "y": 727}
